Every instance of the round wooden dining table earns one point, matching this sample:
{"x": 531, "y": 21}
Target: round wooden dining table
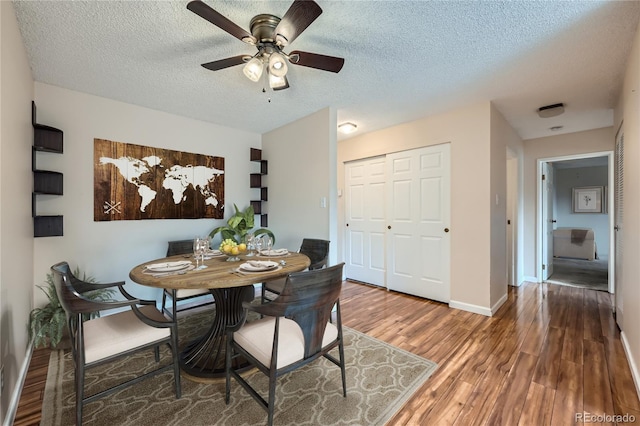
{"x": 204, "y": 358}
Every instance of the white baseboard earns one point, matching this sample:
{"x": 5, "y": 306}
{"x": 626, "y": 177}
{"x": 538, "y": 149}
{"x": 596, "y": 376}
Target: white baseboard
{"x": 531, "y": 279}
{"x": 470, "y": 308}
{"x": 635, "y": 373}
{"x": 17, "y": 390}
{"x": 499, "y": 303}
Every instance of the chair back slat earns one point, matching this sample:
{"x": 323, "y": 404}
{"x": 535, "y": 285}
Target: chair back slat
{"x": 179, "y": 247}
{"x": 317, "y": 251}
{"x": 72, "y": 302}
{"x": 308, "y": 298}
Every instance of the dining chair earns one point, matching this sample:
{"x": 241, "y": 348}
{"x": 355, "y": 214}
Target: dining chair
{"x": 175, "y": 248}
{"x": 294, "y": 331}
{"x": 318, "y": 252}
{"x": 100, "y": 340}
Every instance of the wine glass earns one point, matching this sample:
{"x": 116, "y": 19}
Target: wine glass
{"x": 200, "y": 246}
{"x": 269, "y": 243}
{"x": 205, "y": 245}
{"x": 250, "y": 245}
{"x": 196, "y": 249}
{"x": 258, "y": 243}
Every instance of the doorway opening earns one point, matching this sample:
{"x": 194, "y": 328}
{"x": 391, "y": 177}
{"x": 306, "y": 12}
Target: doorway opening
{"x": 575, "y": 221}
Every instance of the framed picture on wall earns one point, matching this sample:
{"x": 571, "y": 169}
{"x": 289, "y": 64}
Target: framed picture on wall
{"x": 587, "y": 199}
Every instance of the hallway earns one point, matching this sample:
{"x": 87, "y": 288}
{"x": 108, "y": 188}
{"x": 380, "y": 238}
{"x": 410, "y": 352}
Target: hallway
{"x": 590, "y": 274}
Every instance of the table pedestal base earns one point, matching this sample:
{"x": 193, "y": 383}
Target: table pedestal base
{"x": 204, "y": 358}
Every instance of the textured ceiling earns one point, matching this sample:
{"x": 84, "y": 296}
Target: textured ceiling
{"x": 403, "y": 59}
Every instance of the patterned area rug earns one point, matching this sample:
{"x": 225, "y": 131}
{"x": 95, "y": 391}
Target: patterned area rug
{"x": 380, "y": 379}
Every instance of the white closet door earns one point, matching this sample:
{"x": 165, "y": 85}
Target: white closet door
{"x": 365, "y": 221}
{"x": 418, "y": 217}
{"x": 619, "y": 216}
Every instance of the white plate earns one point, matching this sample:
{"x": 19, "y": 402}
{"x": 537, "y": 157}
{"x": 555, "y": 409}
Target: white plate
{"x": 168, "y": 266}
{"x": 211, "y": 254}
{"x": 258, "y": 266}
{"x": 274, "y": 253}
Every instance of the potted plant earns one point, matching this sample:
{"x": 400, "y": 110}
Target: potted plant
{"x": 47, "y": 325}
{"x": 239, "y": 225}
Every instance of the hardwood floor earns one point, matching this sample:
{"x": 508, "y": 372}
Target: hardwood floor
{"x": 550, "y": 352}
{"x": 30, "y": 404}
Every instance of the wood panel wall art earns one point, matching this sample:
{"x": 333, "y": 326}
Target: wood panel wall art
{"x": 133, "y": 182}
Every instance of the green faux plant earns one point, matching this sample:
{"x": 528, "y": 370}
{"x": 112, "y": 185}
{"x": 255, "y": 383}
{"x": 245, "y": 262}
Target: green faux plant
{"x": 239, "y": 225}
{"x": 47, "y": 324}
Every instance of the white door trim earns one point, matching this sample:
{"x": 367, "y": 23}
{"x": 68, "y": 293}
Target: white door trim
{"x": 539, "y": 213}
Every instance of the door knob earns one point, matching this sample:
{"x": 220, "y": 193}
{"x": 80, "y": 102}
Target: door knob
{"x": 446, "y": 229}
{"x": 347, "y": 224}
{"x": 553, "y": 221}
{"x": 389, "y": 227}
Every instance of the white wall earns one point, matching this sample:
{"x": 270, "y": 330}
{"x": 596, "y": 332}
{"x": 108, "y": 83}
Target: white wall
{"x": 628, "y": 297}
{"x": 565, "y": 181}
{"x": 302, "y": 161}
{"x": 468, "y": 131}
{"x": 598, "y": 140}
{"x": 503, "y": 139}
{"x": 108, "y": 250}
{"x": 16, "y": 182}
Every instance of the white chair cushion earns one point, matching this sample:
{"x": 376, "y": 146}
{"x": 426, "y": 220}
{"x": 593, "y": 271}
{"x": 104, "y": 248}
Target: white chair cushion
{"x": 257, "y": 339}
{"x": 113, "y": 334}
{"x": 191, "y": 292}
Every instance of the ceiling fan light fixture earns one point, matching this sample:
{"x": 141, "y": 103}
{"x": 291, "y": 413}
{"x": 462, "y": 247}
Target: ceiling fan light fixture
{"x": 347, "y": 127}
{"x": 281, "y": 40}
{"x": 253, "y": 69}
{"x": 277, "y": 65}
{"x": 278, "y": 83}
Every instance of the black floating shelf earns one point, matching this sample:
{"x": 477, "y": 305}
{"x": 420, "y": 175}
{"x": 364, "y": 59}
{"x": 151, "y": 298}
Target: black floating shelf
{"x": 47, "y": 139}
{"x": 255, "y": 180}
{"x": 47, "y": 226}
{"x": 256, "y": 154}
{"x": 264, "y": 221}
{"x": 263, "y": 194}
{"x": 46, "y": 182}
{"x": 257, "y": 206}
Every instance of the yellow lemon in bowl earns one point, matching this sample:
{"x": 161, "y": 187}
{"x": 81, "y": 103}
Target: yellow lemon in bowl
{"x": 235, "y": 251}
{"x": 242, "y": 247}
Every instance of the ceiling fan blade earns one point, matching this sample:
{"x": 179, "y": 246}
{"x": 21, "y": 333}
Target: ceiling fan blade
{"x": 206, "y": 12}
{"x": 226, "y": 63}
{"x": 299, "y": 16}
{"x": 315, "y": 60}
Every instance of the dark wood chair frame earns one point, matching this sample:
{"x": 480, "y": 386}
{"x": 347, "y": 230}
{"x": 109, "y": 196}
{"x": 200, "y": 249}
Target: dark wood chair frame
{"x": 316, "y": 250}
{"x": 175, "y": 248}
{"x": 307, "y": 298}
{"x": 70, "y": 292}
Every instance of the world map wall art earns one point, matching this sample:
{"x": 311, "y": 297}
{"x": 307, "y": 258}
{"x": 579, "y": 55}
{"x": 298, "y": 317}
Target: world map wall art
{"x": 132, "y": 182}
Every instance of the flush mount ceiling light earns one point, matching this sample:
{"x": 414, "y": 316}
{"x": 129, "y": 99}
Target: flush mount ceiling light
{"x": 347, "y": 127}
{"x": 551, "y": 110}
{"x": 270, "y": 35}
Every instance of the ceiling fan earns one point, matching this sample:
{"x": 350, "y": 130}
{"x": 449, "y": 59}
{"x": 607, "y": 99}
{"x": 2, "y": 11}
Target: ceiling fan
{"x": 270, "y": 35}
